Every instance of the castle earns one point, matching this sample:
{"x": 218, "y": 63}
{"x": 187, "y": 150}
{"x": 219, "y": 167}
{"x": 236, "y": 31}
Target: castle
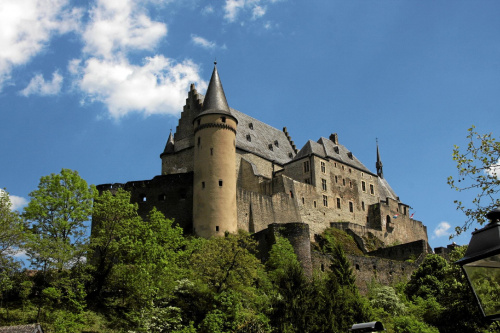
{"x": 223, "y": 170}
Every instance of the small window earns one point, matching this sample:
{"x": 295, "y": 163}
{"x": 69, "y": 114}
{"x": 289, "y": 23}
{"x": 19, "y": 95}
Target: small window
{"x": 323, "y": 167}
{"x": 325, "y": 201}
{"x": 211, "y": 151}
{"x": 350, "y": 171}
{"x": 336, "y": 148}
{"x": 357, "y": 267}
{"x": 220, "y": 182}
{"x": 349, "y": 154}
{"x": 303, "y": 201}
{"x": 314, "y": 203}
{"x": 223, "y": 119}
{"x": 343, "y": 181}
{"x": 336, "y": 180}
{"x": 363, "y": 205}
{"x": 335, "y": 164}
{"x": 323, "y": 184}
{"x": 343, "y": 168}
{"x": 306, "y": 166}
{"x": 351, "y": 207}
{"x": 276, "y": 143}
{"x": 249, "y": 138}
{"x": 372, "y": 191}
{"x": 291, "y": 194}
{"x": 199, "y": 141}
{"x": 350, "y": 184}
{"x": 217, "y": 228}
{"x": 362, "y": 175}
{"x": 290, "y": 155}
{"x": 363, "y": 186}
{"x": 143, "y": 198}
{"x": 202, "y": 184}
{"x": 250, "y": 125}
{"x": 270, "y": 146}
{"x": 338, "y": 203}
{"x": 198, "y": 122}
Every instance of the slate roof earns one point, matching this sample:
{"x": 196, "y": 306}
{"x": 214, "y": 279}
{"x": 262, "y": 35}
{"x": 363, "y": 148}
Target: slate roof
{"x": 386, "y": 190}
{"x": 32, "y": 328}
{"x": 261, "y": 136}
{"x": 326, "y": 148}
{"x": 215, "y": 99}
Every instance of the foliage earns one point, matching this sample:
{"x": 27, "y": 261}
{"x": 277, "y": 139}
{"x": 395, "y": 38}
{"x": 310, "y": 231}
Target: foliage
{"x": 56, "y": 214}
{"x": 11, "y": 227}
{"x": 478, "y": 172}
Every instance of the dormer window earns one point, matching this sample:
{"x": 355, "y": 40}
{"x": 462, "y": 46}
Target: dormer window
{"x": 276, "y": 143}
{"x": 249, "y": 138}
{"x": 270, "y": 146}
{"x": 250, "y": 126}
{"x": 336, "y": 149}
{"x": 290, "y": 155}
{"x": 349, "y": 154}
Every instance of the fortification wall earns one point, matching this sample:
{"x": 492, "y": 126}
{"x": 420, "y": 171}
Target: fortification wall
{"x": 256, "y": 211}
{"x": 297, "y": 234}
{"x": 369, "y": 269}
{"x": 402, "y": 252}
{"x": 170, "y": 194}
{"x": 180, "y": 162}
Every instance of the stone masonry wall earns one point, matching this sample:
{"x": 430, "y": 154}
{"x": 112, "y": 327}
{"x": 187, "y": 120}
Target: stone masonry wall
{"x": 369, "y": 269}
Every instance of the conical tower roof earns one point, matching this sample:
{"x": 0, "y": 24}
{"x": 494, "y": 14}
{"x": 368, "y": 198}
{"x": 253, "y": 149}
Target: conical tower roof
{"x": 169, "y": 147}
{"x": 379, "y": 164}
{"x": 215, "y": 100}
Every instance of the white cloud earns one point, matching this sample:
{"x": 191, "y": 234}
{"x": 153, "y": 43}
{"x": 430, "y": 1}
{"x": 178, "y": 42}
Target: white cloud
{"x": 26, "y": 26}
{"x": 494, "y": 170}
{"x": 158, "y": 86}
{"x": 17, "y": 202}
{"x": 38, "y": 85}
{"x": 207, "y": 10}
{"x": 257, "y": 12}
{"x": 256, "y": 8}
{"x": 232, "y": 8}
{"x": 120, "y": 26}
{"x": 442, "y": 229}
{"x": 200, "y": 41}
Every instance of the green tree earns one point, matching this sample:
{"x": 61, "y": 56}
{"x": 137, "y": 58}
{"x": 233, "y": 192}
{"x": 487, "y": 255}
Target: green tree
{"x": 56, "y": 215}
{"x": 478, "y": 168}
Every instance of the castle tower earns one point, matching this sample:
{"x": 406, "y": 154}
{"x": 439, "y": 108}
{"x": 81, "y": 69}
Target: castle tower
{"x": 214, "y": 182}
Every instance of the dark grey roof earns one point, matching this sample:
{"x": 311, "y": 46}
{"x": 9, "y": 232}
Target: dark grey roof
{"x": 169, "y": 147}
{"x": 386, "y": 190}
{"x": 215, "y": 100}
{"x": 261, "y": 135}
{"x": 32, "y": 328}
{"x": 326, "y": 148}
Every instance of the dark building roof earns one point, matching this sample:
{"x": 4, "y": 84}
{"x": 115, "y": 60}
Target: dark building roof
{"x": 169, "y": 147}
{"x": 326, "y": 148}
{"x": 215, "y": 100}
{"x": 32, "y": 328}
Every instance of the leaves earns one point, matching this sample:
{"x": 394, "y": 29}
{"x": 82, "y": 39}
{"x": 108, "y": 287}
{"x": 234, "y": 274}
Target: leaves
{"x": 479, "y": 174}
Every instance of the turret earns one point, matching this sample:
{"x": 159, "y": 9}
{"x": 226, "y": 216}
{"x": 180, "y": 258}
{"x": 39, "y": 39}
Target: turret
{"x": 214, "y": 183}
{"x": 379, "y": 164}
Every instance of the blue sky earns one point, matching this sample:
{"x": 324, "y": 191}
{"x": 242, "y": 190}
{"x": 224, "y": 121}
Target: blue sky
{"x": 95, "y": 86}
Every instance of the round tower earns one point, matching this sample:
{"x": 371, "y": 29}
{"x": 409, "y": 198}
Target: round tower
{"x": 214, "y": 183}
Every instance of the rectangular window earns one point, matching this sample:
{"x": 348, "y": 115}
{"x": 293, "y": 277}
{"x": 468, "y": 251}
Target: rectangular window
{"x": 314, "y": 204}
{"x": 325, "y": 201}
{"x": 363, "y": 205}
{"x": 351, "y": 207}
{"x": 323, "y": 167}
{"x": 323, "y": 184}
{"x": 336, "y": 180}
{"x": 306, "y": 166}
{"x": 217, "y": 228}
{"x": 220, "y": 182}
{"x": 338, "y": 203}
{"x": 372, "y": 191}
{"x": 363, "y": 186}
{"x": 202, "y": 184}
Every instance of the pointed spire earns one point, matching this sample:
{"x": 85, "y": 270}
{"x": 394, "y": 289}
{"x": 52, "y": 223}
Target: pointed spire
{"x": 379, "y": 164}
{"x": 169, "y": 147}
{"x": 215, "y": 99}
